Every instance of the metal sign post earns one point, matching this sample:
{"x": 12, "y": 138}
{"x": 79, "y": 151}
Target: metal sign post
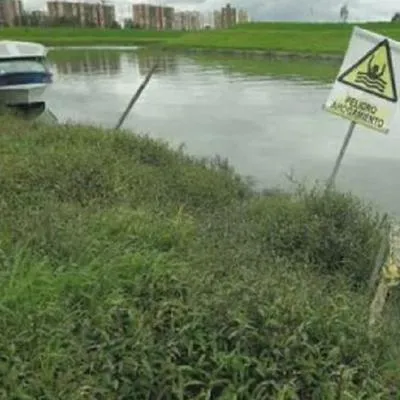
{"x": 339, "y": 159}
{"x": 365, "y": 90}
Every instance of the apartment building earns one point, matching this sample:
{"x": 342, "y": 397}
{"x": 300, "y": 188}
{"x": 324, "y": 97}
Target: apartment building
{"x": 194, "y": 20}
{"x": 217, "y": 20}
{"x": 179, "y": 21}
{"x": 106, "y": 14}
{"x": 207, "y": 19}
{"x": 168, "y": 17}
{"x": 85, "y": 14}
{"x": 228, "y": 16}
{"x": 243, "y": 17}
{"x": 187, "y": 21}
{"x": 34, "y": 18}
{"x": 10, "y": 12}
{"x": 148, "y": 16}
{"x": 141, "y": 15}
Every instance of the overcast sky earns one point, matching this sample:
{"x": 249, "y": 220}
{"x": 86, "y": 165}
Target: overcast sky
{"x": 273, "y": 10}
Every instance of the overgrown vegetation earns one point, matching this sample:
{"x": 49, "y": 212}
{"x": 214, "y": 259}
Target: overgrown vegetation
{"x": 130, "y": 270}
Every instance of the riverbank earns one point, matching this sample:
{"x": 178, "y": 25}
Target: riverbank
{"x": 328, "y": 41}
{"x": 290, "y": 40}
{"x": 58, "y": 37}
{"x": 131, "y": 269}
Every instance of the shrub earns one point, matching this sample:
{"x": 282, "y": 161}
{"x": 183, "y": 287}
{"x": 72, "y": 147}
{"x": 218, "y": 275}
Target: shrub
{"x": 334, "y": 231}
{"x": 130, "y": 270}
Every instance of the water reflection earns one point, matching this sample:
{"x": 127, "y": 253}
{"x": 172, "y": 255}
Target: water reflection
{"x": 167, "y": 63}
{"x": 108, "y": 63}
{"x": 86, "y": 62}
{"x": 283, "y": 68}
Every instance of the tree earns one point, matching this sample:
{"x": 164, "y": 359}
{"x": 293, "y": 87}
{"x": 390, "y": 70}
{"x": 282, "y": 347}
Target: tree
{"x": 115, "y": 25}
{"x": 344, "y": 13}
{"x": 128, "y": 23}
{"x": 33, "y": 18}
{"x": 396, "y": 17}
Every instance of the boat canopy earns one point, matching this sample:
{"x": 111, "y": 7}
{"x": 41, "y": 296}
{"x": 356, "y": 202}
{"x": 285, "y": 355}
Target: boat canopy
{"x": 10, "y": 49}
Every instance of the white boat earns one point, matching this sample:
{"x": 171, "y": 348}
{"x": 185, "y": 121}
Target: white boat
{"x": 24, "y": 75}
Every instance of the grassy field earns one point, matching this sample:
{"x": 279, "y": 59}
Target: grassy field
{"x": 130, "y": 270}
{"x": 303, "y": 38}
{"x": 276, "y": 37}
{"x": 87, "y": 37}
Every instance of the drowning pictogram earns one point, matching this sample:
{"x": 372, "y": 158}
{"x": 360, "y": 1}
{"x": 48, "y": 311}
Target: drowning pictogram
{"x": 373, "y": 77}
{"x": 373, "y": 73}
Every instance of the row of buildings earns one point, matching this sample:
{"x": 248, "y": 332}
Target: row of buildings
{"x": 84, "y": 14}
{"x": 149, "y": 16}
{"x": 10, "y": 12}
{"x": 102, "y": 14}
{"x": 228, "y": 17}
{"x": 81, "y": 13}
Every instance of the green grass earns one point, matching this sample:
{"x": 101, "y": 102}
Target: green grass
{"x": 86, "y": 37}
{"x": 304, "y": 38}
{"x": 131, "y": 270}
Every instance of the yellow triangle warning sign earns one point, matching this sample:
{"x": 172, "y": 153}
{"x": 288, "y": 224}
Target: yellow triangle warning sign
{"x": 373, "y": 73}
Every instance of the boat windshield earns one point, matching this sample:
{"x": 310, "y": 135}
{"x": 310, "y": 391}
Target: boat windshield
{"x": 16, "y": 66}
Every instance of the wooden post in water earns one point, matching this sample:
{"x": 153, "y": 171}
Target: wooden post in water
{"x": 339, "y": 159}
{"x": 135, "y": 97}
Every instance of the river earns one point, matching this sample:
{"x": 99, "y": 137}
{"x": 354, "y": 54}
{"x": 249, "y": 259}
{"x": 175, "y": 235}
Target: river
{"x": 266, "y": 120}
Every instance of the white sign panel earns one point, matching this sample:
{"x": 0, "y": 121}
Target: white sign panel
{"x": 366, "y": 89}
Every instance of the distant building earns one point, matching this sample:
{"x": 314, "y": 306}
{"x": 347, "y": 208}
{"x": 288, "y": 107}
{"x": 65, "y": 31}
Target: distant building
{"x": 39, "y": 14}
{"x": 83, "y": 14}
{"x": 148, "y": 16}
{"x": 168, "y": 17}
{"x": 179, "y": 21}
{"x": 243, "y": 17}
{"x": 217, "y": 20}
{"x": 100, "y": 14}
{"x": 141, "y": 16}
{"x": 34, "y": 18}
{"x": 228, "y": 16}
{"x": 10, "y": 12}
{"x": 193, "y": 20}
{"x": 208, "y": 20}
{"x": 107, "y": 11}
{"x": 187, "y": 21}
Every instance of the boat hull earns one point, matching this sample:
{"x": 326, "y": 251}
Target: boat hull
{"x": 22, "y": 94}
{"x": 24, "y": 74}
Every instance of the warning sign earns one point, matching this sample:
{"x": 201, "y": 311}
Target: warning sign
{"x": 373, "y": 73}
{"x": 365, "y": 91}
{"x": 361, "y": 112}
